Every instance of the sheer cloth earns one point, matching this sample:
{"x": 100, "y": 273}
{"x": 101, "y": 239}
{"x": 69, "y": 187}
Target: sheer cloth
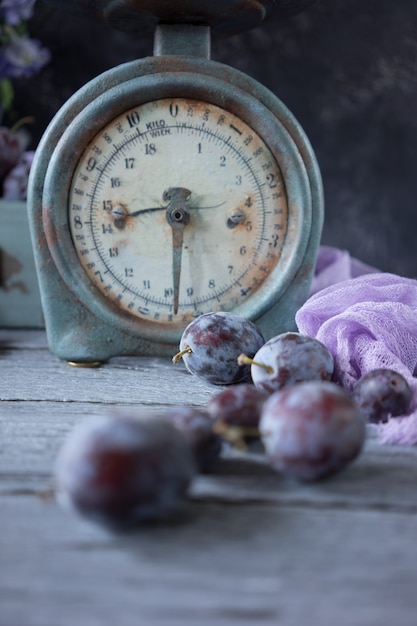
{"x": 368, "y": 320}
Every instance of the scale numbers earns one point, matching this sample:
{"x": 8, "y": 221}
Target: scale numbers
{"x": 177, "y": 208}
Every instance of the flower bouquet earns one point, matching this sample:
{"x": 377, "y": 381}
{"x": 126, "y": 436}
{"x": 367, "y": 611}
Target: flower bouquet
{"x": 20, "y": 56}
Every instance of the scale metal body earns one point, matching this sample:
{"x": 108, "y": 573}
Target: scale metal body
{"x": 169, "y": 187}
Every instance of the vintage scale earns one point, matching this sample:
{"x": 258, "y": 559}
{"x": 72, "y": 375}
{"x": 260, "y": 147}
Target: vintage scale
{"x": 169, "y": 187}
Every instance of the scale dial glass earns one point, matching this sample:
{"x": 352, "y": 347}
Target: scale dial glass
{"x": 177, "y": 208}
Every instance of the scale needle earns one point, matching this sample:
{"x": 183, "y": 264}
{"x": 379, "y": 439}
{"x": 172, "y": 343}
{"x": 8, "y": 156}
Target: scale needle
{"x": 178, "y": 217}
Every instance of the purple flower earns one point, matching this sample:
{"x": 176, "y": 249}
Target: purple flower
{"x": 11, "y": 150}
{"x": 21, "y": 56}
{"x": 16, "y": 182}
{"x": 15, "y": 11}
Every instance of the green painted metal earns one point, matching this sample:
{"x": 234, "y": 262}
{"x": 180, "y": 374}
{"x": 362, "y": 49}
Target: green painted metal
{"x": 81, "y": 325}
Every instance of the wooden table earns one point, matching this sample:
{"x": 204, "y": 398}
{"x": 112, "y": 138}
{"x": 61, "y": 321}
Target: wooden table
{"x": 253, "y": 548}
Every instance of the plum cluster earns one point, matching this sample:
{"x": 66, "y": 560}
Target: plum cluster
{"x": 125, "y": 470}
{"x": 310, "y": 427}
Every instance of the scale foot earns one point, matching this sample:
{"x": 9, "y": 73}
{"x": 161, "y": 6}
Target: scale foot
{"x": 85, "y": 363}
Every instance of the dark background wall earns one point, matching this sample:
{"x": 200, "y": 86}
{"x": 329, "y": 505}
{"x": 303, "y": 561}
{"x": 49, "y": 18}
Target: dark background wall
{"x": 347, "y": 69}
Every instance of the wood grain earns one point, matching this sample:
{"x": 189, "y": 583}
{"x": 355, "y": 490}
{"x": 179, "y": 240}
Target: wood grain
{"x": 249, "y": 547}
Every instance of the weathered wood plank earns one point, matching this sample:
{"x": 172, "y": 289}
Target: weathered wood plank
{"x": 382, "y": 478}
{"x": 221, "y": 564}
{"x": 31, "y": 432}
{"x": 38, "y": 375}
{"x": 40, "y": 407}
{"x": 250, "y": 548}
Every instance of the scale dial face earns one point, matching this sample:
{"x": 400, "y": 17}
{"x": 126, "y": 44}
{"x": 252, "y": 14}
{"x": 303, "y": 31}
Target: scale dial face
{"x": 177, "y": 208}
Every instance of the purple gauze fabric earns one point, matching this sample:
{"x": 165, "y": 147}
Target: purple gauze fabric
{"x": 368, "y": 322}
{"x": 334, "y": 265}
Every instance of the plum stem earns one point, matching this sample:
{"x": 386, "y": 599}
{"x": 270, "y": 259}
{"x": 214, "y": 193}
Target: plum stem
{"x": 177, "y": 357}
{"x": 235, "y": 435}
{"x": 243, "y": 359}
